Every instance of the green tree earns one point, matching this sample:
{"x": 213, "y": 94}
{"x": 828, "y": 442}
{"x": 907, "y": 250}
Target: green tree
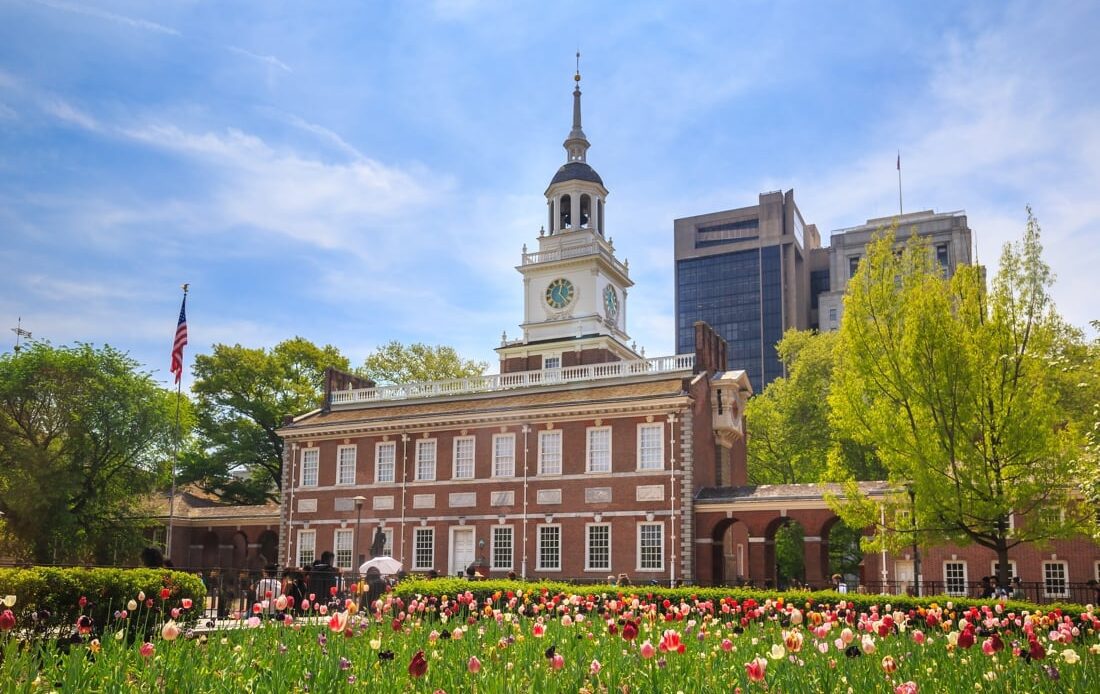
{"x": 395, "y": 362}
{"x": 84, "y": 437}
{"x": 950, "y": 383}
{"x": 791, "y": 438}
{"x": 790, "y": 553}
{"x": 242, "y": 396}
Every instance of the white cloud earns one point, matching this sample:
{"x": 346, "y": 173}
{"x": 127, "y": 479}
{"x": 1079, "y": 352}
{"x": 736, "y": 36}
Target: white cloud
{"x": 345, "y": 205}
{"x": 65, "y": 111}
{"x": 269, "y": 60}
{"x": 999, "y": 127}
{"x": 109, "y": 16}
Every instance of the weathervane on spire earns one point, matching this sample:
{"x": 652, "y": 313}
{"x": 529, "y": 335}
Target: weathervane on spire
{"x": 577, "y": 77}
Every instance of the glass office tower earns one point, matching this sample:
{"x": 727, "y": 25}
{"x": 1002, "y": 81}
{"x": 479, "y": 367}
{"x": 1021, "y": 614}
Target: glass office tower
{"x": 744, "y": 273}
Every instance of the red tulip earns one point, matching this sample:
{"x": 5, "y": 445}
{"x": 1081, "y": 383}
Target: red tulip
{"x": 164, "y": 593}
{"x": 419, "y": 665}
{"x": 147, "y": 649}
{"x": 1036, "y": 650}
{"x": 186, "y": 602}
{"x": 966, "y": 639}
{"x": 756, "y": 669}
{"x": 83, "y": 602}
{"x": 7, "y": 621}
{"x": 332, "y": 590}
{"x": 630, "y": 630}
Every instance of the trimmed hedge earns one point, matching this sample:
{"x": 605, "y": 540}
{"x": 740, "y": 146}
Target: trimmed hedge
{"x": 48, "y": 598}
{"x": 860, "y": 601}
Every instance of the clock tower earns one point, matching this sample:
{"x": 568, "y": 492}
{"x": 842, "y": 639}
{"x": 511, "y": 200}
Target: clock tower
{"x": 575, "y": 289}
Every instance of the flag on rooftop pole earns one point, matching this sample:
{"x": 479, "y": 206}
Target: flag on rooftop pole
{"x": 181, "y": 339}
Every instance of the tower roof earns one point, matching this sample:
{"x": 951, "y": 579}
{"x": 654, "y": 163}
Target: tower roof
{"x": 576, "y": 171}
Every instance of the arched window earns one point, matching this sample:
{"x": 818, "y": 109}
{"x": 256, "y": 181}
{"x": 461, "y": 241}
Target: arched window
{"x": 565, "y": 207}
{"x": 599, "y": 215}
{"x": 586, "y": 211}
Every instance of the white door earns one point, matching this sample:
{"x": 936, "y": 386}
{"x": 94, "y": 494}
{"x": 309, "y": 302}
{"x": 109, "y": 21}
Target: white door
{"x": 462, "y": 549}
{"x": 903, "y": 572}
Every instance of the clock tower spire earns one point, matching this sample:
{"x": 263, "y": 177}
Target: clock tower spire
{"x": 575, "y": 289}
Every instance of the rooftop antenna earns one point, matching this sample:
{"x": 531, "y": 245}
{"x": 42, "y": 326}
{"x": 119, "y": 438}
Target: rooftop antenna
{"x": 901, "y": 211}
{"x": 20, "y": 333}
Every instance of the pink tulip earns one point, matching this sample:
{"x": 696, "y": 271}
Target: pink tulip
{"x": 918, "y": 637}
{"x": 648, "y": 651}
{"x": 727, "y": 645}
{"x": 906, "y": 688}
{"x": 473, "y": 665}
{"x": 175, "y": 612}
{"x": 539, "y": 630}
{"x": 186, "y": 602}
{"x": 595, "y": 667}
{"x": 170, "y": 631}
{"x": 147, "y": 649}
{"x": 557, "y": 662}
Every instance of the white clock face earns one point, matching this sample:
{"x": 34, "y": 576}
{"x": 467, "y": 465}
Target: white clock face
{"x": 611, "y": 303}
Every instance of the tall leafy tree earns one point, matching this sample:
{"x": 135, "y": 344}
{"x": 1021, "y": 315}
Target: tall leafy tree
{"x": 84, "y": 436}
{"x": 242, "y": 395}
{"x": 950, "y": 382}
{"x": 791, "y": 438}
{"x": 395, "y": 362}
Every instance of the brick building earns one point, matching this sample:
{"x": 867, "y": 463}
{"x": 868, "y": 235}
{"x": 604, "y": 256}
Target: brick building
{"x": 582, "y": 458}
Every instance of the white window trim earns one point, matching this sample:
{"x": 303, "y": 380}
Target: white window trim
{"x": 588, "y": 451}
{"x": 1065, "y": 579}
{"x": 660, "y": 428}
{"x": 561, "y": 442}
{"x": 638, "y": 547}
{"x": 388, "y": 532}
{"x": 346, "y": 532}
{"x": 473, "y": 457}
{"x": 302, "y": 467}
{"x": 538, "y": 547}
{"x": 417, "y": 461}
{"x": 965, "y": 577}
{"x": 551, "y": 355}
{"x": 1011, "y": 567}
{"x": 1096, "y": 570}
{"x": 377, "y": 448}
{"x": 415, "y": 555}
{"x": 493, "y": 549}
{"x": 298, "y": 546}
{"x": 588, "y": 547}
{"x": 354, "y": 464}
{"x": 493, "y": 470}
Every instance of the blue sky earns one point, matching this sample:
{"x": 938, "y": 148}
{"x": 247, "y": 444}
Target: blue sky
{"x": 359, "y": 172}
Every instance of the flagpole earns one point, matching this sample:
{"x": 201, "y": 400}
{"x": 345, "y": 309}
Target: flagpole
{"x": 900, "y": 208}
{"x": 175, "y": 454}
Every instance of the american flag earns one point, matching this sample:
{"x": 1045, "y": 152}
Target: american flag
{"x": 181, "y": 340}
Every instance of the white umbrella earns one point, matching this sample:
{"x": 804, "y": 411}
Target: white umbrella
{"x": 387, "y": 566}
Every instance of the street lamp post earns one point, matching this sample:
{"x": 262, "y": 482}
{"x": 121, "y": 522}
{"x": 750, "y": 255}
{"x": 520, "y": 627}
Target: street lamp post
{"x": 913, "y": 529}
{"x": 358, "y": 517}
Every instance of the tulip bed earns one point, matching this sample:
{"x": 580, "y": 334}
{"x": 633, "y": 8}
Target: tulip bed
{"x": 536, "y": 640}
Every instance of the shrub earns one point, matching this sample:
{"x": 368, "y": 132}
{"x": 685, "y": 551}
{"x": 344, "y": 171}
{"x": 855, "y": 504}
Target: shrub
{"x": 48, "y": 598}
{"x": 859, "y": 601}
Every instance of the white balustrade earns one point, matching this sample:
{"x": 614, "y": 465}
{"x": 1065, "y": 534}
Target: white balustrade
{"x": 519, "y": 379}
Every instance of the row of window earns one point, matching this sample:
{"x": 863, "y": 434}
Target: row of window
{"x": 548, "y": 551}
{"x": 1055, "y": 576}
{"x": 597, "y": 456}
